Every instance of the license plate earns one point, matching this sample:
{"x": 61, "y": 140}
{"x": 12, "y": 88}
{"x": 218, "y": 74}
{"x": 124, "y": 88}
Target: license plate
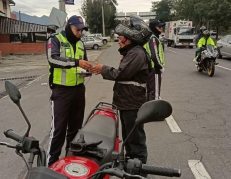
{"x": 186, "y": 44}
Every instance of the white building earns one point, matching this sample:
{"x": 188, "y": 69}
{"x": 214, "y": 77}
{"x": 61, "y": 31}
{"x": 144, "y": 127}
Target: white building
{"x": 5, "y": 7}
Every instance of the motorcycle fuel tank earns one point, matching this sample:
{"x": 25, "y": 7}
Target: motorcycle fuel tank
{"x": 75, "y": 167}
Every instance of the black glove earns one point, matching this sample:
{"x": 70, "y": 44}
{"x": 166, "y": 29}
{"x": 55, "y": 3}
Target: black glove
{"x": 81, "y": 147}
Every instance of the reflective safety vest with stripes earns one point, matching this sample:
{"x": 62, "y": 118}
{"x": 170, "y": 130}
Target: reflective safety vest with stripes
{"x": 68, "y": 77}
{"x": 158, "y": 51}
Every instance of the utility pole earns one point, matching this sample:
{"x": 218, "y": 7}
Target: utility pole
{"x": 62, "y": 4}
{"x": 62, "y": 7}
{"x": 103, "y": 20}
{"x": 20, "y": 24}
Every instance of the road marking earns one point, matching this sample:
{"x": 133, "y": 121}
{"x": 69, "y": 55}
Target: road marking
{"x": 224, "y": 67}
{"x": 198, "y": 169}
{"x": 173, "y": 125}
{"x": 35, "y": 80}
{"x": 28, "y": 84}
{"x": 4, "y": 97}
{"x": 172, "y": 51}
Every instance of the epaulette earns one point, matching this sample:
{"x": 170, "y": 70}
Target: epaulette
{"x": 51, "y": 35}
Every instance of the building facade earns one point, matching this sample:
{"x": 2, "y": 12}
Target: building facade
{"x": 18, "y": 37}
{"x": 5, "y": 10}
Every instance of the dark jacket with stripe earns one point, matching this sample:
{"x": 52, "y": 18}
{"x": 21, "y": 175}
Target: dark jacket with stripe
{"x": 133, "y": 67}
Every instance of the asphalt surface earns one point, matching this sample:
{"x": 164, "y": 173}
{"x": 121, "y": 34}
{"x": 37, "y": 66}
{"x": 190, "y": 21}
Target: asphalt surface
{"x": 201, "y": 108}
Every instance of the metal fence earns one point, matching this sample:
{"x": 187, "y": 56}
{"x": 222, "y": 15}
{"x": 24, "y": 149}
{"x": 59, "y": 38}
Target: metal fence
{"x": 11, "y": 26}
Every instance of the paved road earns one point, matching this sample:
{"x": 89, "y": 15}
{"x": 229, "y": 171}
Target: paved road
{"x": 201, "y": 110}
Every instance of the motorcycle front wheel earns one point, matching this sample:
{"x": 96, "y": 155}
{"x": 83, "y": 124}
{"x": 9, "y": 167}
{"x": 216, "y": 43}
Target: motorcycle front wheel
{"x": 211, "y": 68}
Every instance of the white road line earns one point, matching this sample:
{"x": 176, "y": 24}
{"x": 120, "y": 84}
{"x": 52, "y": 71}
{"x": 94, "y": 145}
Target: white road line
{"x": 198, "y": 169}
{"x": 173, "y": 125}
{"x": 4, "y": 97}
{"x": 172, "y": 51}
{"x": 224, "y": 67}
{"x": 27, "y": 85}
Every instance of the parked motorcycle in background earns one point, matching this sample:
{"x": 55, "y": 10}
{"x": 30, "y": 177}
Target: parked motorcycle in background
{"x": 94, "y": 153}
{"x": 207, "y": 60}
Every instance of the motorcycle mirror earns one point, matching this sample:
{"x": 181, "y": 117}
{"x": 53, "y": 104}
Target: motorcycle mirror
{"x": 13, "y": 92}
{"x": 153, "y": 111}
{"x": 15, "y": 96}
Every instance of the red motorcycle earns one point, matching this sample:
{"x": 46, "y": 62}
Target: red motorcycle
{"x": 94, "y": 153}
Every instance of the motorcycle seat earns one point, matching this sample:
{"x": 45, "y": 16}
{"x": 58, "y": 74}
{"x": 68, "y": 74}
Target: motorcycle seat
{"x": 99, "y": 128}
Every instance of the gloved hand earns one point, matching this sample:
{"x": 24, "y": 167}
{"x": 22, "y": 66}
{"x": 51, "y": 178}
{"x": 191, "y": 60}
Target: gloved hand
{"x": 162, "y": 70}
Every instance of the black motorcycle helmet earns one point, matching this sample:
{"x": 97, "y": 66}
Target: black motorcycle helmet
{"x": 206, "y": 34}
{"x": 202, "y": 29}
{"x": 137, "y": 30}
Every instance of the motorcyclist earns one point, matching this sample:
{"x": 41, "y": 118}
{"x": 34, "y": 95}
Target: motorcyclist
{"x": 130, "y": 82}
{"x": 205, "y": 40}
{"x": 199, "y": 36}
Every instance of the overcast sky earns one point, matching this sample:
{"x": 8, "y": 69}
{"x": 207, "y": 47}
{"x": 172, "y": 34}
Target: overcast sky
{"x": 46, "y": 6}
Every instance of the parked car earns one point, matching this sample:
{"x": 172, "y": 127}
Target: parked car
{"x": 225, "y": 43}
{"x": 116, "y": 37}
{"x": 213, "y": 32}
{"x": 105, "y": 39}
{"x": 92, "y": 42}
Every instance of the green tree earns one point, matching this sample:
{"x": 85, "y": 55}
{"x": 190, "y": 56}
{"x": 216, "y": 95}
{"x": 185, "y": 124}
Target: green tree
{"x": 213, "y": 13}
{"x": 92, "y": 12}
{"x": 219, "y": 15}
{"x": 163, "y": 9}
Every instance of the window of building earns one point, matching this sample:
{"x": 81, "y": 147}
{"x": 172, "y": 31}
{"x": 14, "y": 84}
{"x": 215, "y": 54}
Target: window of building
{"x": 4, "y": 3}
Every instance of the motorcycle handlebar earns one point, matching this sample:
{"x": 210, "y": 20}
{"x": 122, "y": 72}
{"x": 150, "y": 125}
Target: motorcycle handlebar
{"x": 168, "y": 172}
{"x": 12, "y": 135}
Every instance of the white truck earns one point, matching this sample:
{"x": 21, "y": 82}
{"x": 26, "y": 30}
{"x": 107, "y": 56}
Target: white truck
{"x": 180, "y": 33}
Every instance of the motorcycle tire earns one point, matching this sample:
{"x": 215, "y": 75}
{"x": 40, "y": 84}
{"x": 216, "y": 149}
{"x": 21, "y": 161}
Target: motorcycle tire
{"x": 211, "y": 69}
{"x": 199, "y": 69}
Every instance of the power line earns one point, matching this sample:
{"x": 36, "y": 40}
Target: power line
{"x": 33, "y": 5}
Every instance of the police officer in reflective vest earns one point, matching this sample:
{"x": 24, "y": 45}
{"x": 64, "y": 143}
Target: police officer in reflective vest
{"x": 66, "y": 56}
{"x": 155, "y": 50}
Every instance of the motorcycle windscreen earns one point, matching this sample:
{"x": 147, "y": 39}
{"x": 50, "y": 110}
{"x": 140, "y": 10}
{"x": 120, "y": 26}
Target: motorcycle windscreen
{"x": 44, "y": 173}
{"x": 210, "y": 48}
{"x": 211, "y": 51}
